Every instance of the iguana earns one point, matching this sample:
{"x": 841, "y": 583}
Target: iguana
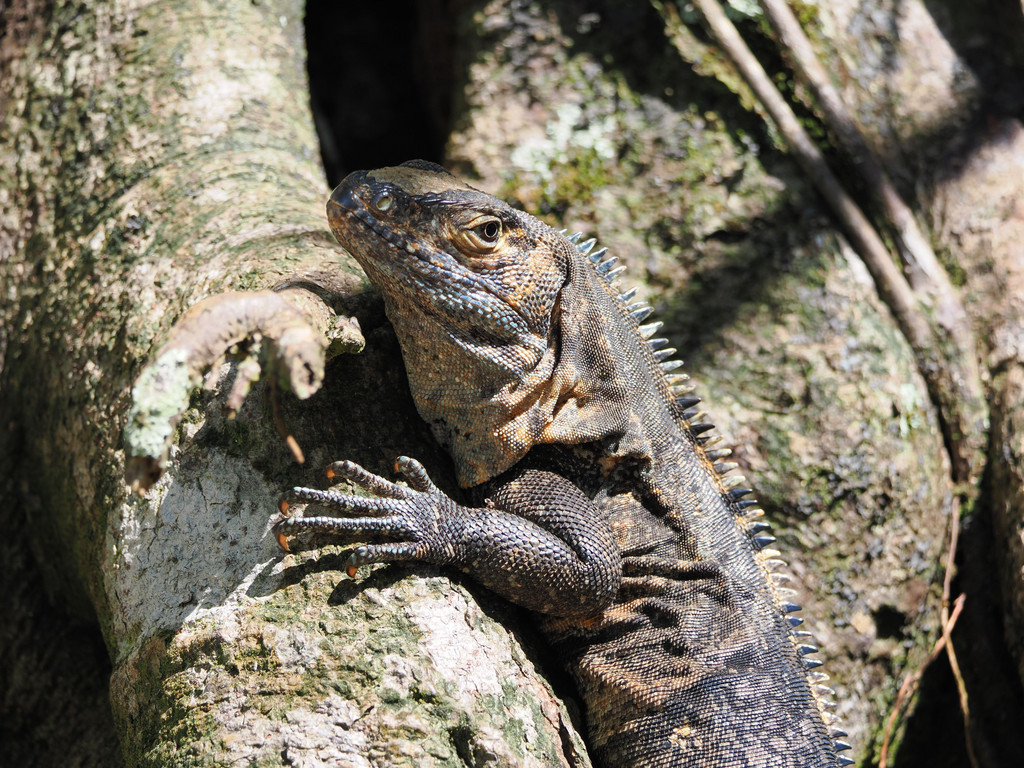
{"x": 603, "y": 506}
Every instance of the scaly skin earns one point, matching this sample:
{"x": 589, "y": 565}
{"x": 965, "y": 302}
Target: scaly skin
{"x": 605, "y": 510}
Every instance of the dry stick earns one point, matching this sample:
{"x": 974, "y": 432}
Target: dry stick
{"x": 890, "y": 281}
{"x": 954, "y": 665}
{"x": 930, "y": 281}
{"x": 911, "y": 681}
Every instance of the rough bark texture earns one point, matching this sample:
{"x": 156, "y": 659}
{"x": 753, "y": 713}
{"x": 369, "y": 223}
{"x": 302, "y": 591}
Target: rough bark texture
{"x": 161, "y": 154}
{"x": 154, "y": 156}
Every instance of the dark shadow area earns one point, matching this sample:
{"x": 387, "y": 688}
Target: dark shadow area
{"x": 989, "y": 36}
{"x": 993, "y": 686}
{"x": 935, "y": 731}
{"x": 934, "y": 736}
{"x": 54, "y": 686}
{"x": 380, "y": 80}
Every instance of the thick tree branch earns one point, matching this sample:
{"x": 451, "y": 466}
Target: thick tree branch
{"x": 952, "y": 378}
{"x": 930, "y": 282}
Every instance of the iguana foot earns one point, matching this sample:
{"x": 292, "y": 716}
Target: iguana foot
{"x": 412, "y": 516}
{"x": 537, "y": 541}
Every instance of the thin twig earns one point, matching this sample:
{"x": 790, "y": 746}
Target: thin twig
{"x": 954, "y": 665}
{"x": 912, "y": 680}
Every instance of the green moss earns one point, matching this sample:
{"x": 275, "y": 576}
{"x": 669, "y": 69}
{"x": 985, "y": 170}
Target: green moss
{"x": 577, "y": 179}
{"x": 955, "y": 270}
{"x": 238, "y": 436}
{"x": 514, "y": 732}
{"x": 252, "y": 280}
{"x": 251, "y": 655}
{"x": 157, "y": 399}
{"x": 807, "y": 14}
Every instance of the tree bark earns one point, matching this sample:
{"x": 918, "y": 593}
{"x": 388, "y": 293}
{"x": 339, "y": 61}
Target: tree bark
{"x": 163, "y": 154}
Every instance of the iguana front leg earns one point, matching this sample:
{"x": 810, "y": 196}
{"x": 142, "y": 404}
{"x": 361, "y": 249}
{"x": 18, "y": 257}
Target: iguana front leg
{"x": 538, "y": 541}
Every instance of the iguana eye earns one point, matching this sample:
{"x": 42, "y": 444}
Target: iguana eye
{"x": 489, "y": 231}
{"x": 482, "y": 235}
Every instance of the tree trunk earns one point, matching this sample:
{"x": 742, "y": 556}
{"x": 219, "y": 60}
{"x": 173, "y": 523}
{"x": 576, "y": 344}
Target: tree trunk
{"x": 161, "y": 154}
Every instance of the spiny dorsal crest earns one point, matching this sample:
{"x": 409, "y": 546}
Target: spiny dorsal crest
{"x": 638, "y": 311}
{"x": 748, "y": 512}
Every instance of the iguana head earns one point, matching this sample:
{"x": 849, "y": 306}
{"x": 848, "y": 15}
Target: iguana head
{"x": 497, "y": 314}
{"x": 435, "y": 246}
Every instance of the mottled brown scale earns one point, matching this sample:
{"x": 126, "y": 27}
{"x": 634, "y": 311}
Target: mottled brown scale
{"x": 603, "y": 511}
